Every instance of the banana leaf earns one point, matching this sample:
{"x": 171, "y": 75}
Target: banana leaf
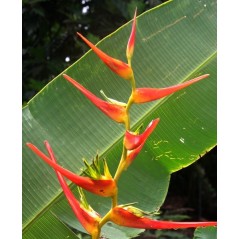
{"x": 205, "y": 233}
{"x": 175, "y": 42}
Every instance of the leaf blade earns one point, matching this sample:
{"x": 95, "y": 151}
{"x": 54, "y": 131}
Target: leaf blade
{"x": 46, "y": 112}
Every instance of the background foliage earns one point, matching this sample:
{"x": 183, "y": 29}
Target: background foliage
{"x": 50, "y": 43}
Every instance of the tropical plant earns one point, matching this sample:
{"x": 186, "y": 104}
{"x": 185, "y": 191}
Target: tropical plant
{"x": 185, "y": 133}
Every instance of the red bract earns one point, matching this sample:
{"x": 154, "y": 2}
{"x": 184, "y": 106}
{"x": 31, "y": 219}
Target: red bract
{"x": 128, "y": 218}
{"x": 143, "y": 95}
{"x": 104, "y": 186}
{"x": 119, "y": 67}
{"x": 130, "y": 45}
{"x": 115, "y": 112}
{"x": 132, "y": 141}
{"x": 131, "y": 155}
{"x": 88, "y": 218}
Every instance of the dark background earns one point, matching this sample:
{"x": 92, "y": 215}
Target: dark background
{"x": 49, "y": 31}
{"x": 50, "y": 44}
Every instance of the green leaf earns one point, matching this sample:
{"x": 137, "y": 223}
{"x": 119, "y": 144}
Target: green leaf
{"x": 205, "y": 233}
{"x": 175, "y": 42}
{"x": 43, "y": 229}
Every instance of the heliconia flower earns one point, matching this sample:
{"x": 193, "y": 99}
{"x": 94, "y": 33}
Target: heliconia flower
{"x": 142, "y": 95}
{"x": 105, "y": 186}
{"x": 130, "y": 45}
{"x": 114, "y": 111}
{"x": 88, "y": 218}
{"x": 119, "y": 67}
{"x": 133, "y": 217}
{"x": 132, "y": 140}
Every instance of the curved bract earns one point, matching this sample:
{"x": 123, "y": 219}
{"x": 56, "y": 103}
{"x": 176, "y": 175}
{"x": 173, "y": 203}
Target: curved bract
{"x": 125, "y": 217}
{"x": 115, "y": 112}
{"x": 133, "y": 141}
{"x": 119, "y": 67}
{"x": 88, "y": 218}
{"x": 103, "y": 186}
{"x": 143, "y": 95}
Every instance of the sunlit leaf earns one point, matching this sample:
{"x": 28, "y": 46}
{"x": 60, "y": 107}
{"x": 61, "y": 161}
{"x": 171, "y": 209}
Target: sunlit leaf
{"x": 175, "y": 42}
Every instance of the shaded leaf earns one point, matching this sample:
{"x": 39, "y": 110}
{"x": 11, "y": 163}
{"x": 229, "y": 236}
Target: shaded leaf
{"x": 205, "y": 233}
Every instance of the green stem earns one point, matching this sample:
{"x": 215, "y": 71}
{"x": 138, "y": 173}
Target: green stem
{"x": 120, "y": 169}
{"x": 96, "y": 236}
{"x": 132, "y": 81}
{"x": 129, "y": 61}
{"x": 121, "y": 165}
{"x": 115, "y": 200}
{"x": 105, "y": 219}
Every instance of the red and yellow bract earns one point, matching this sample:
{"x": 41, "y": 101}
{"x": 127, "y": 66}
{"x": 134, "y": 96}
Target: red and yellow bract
{"x": 143, "y": 95}
{"x": 119, "y": 67}
{"x": 104, "y": 186}
{"x": 88, "y": 218}
{"x": 132, "y": 141}
{"x": 114, "y": 111}
{"x": 131, "y": 41}
{"x": 125, "y": 217}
